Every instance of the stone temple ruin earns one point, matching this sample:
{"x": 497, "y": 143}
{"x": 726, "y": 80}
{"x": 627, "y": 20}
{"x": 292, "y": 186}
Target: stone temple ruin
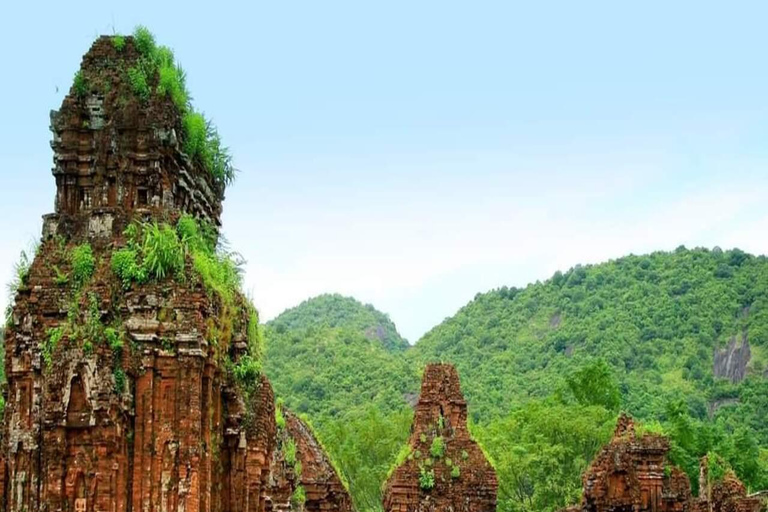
{"x": 146, "y": 414}
{"x": 631, "y": 474}
{"x": 444, "y": 469}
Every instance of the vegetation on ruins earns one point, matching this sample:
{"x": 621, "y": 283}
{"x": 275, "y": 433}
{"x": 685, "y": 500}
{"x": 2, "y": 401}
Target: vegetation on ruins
{"x": 157, "y": 74}
{"x": 547, "y": 368}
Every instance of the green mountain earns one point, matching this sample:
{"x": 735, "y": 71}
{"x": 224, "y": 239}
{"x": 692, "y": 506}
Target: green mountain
{"x": 342, "y": 363}
{"x": 678, "y": 339}
{"x": 338, "y": 311}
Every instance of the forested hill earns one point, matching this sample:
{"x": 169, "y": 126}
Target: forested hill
{"x": 678, "y": 339}
{"x": 334, "y": 310}
{"x": 657, "y": 320}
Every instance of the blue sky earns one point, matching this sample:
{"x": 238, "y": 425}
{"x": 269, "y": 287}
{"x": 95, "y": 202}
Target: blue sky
{"x": 414, "y": 153}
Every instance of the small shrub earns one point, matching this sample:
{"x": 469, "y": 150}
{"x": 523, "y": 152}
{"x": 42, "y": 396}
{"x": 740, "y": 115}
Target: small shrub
{"x": 297, "y": 469}
{"x": 120, "y": 380}
{"x": 163, "y": 254}
{"x": 289, "y": 449}
{"x": 247, "y": 370}
{"x": 464, "y": 454}
{"x": 80, "y": 85}
{"x": 299, "y": 496}
{"x": 118, "y": 42}
{"x": 456, "y": 471}
{"x": 87, "y": 347}
{"x": 114, "y": 340}
{"x": 137, "y": 77}
{"x": 61, "y": 279}
{"x": 426, "y": 479}
{"x": 423, "y": 438}
{"x": 279, "y": 418}
{"x": 51, "y": 342}
{"x": 144, "y": 41}
{"x": 83, "y": 264}
{"x": 126, "y": 267}
{"x": 437, "y": 449}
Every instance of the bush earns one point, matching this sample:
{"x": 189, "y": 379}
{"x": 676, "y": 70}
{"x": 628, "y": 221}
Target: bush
{"x": 118, "y": 42}
{"x": 438, "y": 447}
{"x": 299, "y": 496}
{"x": 162, "y": 251}
{"x": 279, "y": 418}
{"x": 144, "y": 41}
{"x": 126, "y": 267}
{"x": 289, "y": 450}
{"x": 51, "y": 342}
{"x": 83, "y": 264}
{"x": 456, "y": 472}
{"x": 137, "y": 77}
{"x": 426, "y": 479}
{"x": 247, "y": 370}
{"x": 119, "y": 376}
{"x": 80, "y": 85}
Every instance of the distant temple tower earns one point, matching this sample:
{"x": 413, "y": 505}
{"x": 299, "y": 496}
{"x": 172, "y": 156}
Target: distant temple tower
{"x": 445, "y": 468}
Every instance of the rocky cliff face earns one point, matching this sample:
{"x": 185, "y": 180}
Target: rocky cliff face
{"x": 632, "y": 474}
{"x": 731, "y": 361}
{"x": 444, "y": 468}
{"x": 129, "y": 389}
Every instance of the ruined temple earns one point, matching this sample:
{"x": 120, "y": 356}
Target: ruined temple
{"x": 128, "y": 391}
{"x": 301, "y": 464}
{"x": 632, "y": 474}
{"x": 443, "y": 467}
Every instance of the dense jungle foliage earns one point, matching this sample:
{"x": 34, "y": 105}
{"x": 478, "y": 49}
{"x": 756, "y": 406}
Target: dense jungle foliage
{"x": 546, "y": 370}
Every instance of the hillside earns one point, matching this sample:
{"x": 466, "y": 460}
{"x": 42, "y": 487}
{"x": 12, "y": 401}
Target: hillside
{"x": 334, "y": 310}
{"x": 323, "y": 360}
{"x": 678, "y": 339}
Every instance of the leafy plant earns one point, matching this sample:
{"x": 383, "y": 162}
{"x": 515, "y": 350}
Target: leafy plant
{"x": 125, "y": 265}
{"x": 455, "y": 471}
{"x": 79, "y": 85}
{"x": 162, "y": 251}
{"x": 299, "y": 496}
{"x": 61, "y": 279}
{"x": 53, "y": 338}
{"x": 137, "y": 77}
{"x": 289, "y": 452}
{"x": 247, "y": 370}
{"x": 426, "y": 479}
{"x": 144, "y": 41}
{"x": 118, "y": 42}
{"x": 279, "y": 418}
{"x": 83, "y": 264}
{"x": 437, "y": 449}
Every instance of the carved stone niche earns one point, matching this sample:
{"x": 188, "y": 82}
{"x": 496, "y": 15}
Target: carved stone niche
{"x": 78, "y": 406}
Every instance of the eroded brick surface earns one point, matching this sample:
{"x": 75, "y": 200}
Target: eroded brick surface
{"x": 441, "y": 413}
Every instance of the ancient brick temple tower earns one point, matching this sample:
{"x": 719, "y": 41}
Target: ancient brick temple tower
{"x": 123, "y": 395}
{"x": 444, "y": 468}
{"x": 631, "y": 474}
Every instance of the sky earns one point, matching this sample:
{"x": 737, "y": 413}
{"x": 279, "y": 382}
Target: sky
{"x": 413, "y": 154}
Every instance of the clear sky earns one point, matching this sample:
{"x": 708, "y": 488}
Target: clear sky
{"x": 413, "y": 153}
